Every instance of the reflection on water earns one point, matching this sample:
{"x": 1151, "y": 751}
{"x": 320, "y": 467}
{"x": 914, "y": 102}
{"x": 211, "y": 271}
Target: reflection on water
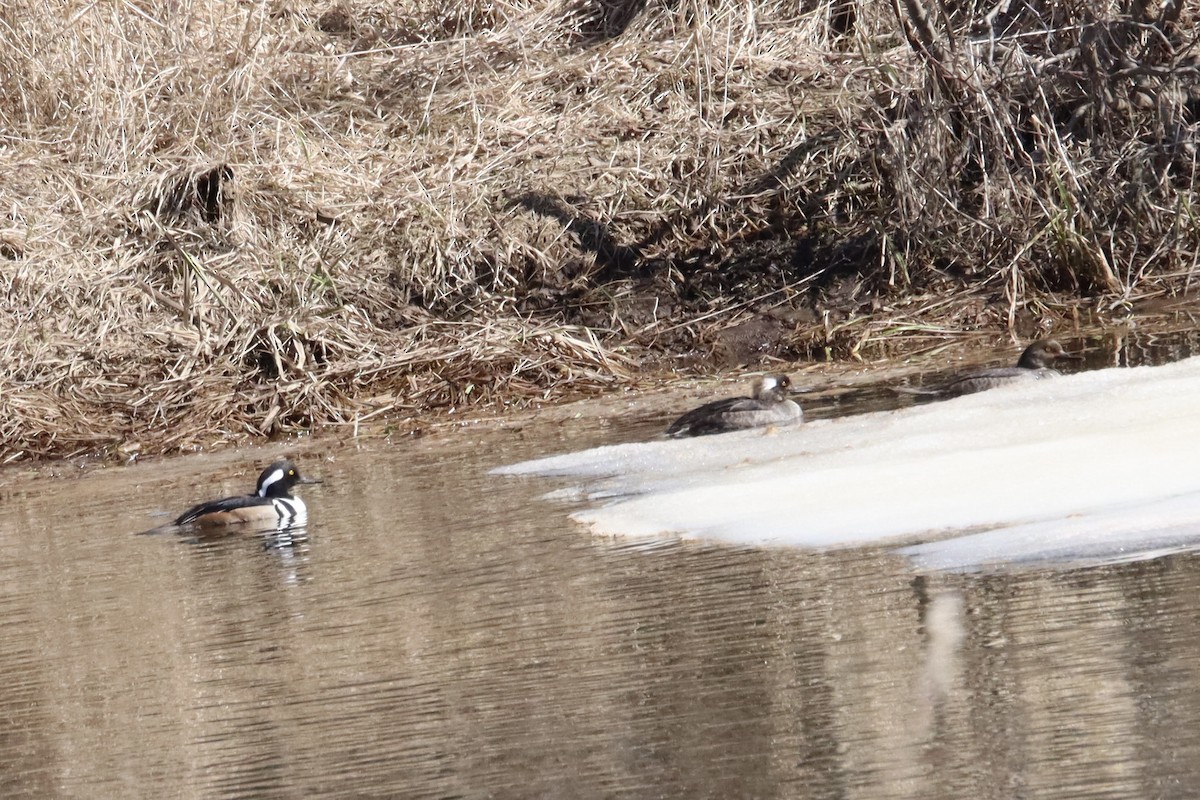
{"x": 441, "y": 633}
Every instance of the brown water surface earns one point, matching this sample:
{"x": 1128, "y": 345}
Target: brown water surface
{"x": 439, "y": 632}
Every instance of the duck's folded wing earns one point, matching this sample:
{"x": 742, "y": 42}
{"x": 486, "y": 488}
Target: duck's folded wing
{"x": 991, "y": 379}
{"x": 214, "y": 506}
{"x": 709, "y": 417}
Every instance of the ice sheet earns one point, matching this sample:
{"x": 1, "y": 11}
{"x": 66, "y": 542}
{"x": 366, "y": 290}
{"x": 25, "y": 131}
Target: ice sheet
{"x": 1099, "y": 461}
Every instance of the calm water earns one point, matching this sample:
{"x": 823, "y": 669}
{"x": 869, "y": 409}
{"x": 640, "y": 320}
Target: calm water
{"x": 443, "y": 633}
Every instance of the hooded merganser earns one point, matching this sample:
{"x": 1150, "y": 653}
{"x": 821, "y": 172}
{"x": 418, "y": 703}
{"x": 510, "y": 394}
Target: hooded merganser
{"x": 1034, "y": 364}
{"x": 767, "y": 405}
{"x": 271, "y": 506}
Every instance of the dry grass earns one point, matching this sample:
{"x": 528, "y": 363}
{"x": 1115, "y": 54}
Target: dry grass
{"x": 234, "y": 219}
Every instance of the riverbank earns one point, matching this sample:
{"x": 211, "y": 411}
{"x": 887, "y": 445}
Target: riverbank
{"x": 225, "y": 223}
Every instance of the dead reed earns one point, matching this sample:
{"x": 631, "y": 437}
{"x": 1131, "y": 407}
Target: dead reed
{"x": 226, "y": 220}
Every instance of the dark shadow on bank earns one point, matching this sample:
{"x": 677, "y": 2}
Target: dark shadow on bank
{"x": 616, "y": 261}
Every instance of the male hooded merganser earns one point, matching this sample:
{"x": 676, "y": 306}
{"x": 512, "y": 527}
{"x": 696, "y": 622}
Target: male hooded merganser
{"x": 1034, "y": 364}
{"x": 767, "y": 405}
{"x": 271, "y": 506}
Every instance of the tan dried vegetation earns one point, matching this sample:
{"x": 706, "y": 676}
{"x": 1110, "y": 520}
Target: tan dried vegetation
{"x": 230, "y": 219}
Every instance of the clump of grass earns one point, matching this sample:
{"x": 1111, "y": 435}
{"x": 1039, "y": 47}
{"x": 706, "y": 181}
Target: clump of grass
{"x": 1052, "y": 146}
{"x": 230, "y": 220}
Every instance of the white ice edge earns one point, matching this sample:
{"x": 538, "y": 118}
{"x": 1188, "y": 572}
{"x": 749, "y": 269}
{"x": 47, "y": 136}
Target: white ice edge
{"x": 1100, "y": 461}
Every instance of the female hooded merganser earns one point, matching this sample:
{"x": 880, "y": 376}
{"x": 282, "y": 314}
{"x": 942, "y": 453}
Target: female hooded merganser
{"x": 767, "y": 405}
{"x": 1034, "y": 364}
{"x": 272, "y": 506}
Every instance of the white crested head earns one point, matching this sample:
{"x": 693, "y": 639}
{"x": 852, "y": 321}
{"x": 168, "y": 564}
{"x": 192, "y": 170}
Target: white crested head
{"x": 772, "y": 388}
{"x": 265, "y": 482}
